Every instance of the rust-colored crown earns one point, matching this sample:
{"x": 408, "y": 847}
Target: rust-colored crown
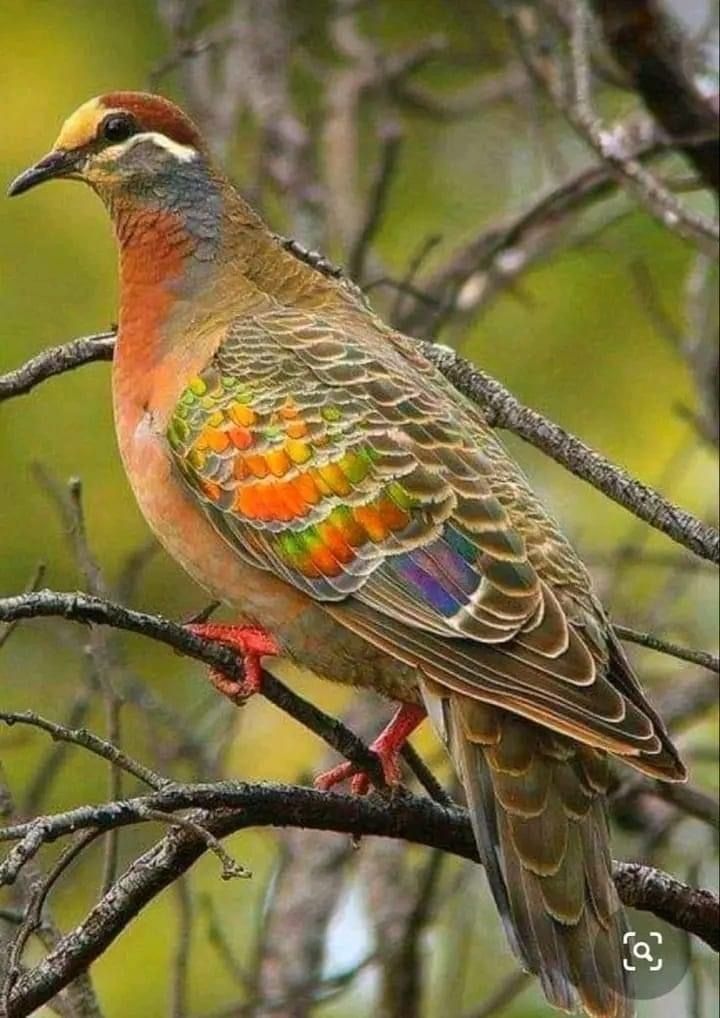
{"x": 154, "y": 113}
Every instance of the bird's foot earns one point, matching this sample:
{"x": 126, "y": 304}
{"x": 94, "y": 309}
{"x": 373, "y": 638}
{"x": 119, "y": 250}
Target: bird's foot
{"x": 387, "y": 748}
{"x": 252, "y": 642}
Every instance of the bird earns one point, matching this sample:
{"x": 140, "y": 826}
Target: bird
{"x": 310, "y": 468}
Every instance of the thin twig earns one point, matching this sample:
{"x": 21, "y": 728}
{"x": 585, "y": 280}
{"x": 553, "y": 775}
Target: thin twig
{"x": 89, "y": 741}
{"x": 50, "y": 766}
{"x": 692, "y": 802}
{"x": 230, "y": 867}
{"x": 181, "y": 962}
{"x": 504, "y": 250}
{"x": 391, "y": 139}
{"x": 649, "y": 192}
{"x": 7, "y": 630}
{"x": 696, "y": 657}
{"x": 33, "y": 914}
{"x": 88, "y": 609}
{"x": 56, "y": 361}
{"x": 424, "y": 775}
{"x": 77, "y": 999}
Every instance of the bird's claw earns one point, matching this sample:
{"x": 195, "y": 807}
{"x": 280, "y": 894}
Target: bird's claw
{"x": 360, "y": 780}
{"x": 387, "y": 747}
{"x": 252, "y": 642}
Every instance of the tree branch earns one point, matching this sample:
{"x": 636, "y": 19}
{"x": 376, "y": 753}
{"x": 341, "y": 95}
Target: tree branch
{"x": 650, "y": 50}
{"x": 502, "y": 410}
{"x": 237, "y": 806}
{"x": 652, "y": 890}
{"x": 575, "y": 105}
{"x": 56, "y": 361}
{"x": 224, "y": 807}
{"x": 695, "y": 657}
{"x": 504, "y": 250}
{"x": 86, "y": 608}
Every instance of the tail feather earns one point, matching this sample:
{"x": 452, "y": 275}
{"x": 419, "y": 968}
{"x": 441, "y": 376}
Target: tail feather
{"x": 537, "y": 809}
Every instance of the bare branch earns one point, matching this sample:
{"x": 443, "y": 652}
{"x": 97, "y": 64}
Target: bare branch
{"x": 403, "y": 815}
{"x": 502, "y": 251}
{"x": 89, "y": 609}
{"x": 690, "y": 801}
{"x": 696, "y": 657}
{"x": 390, "y": 141}
{"x": 502, "y": 410}
{"x": 424, "y": 775}
{"x": 50, "y": 765}
{"x": 77, "y": 999}
{"x": 653, "y": 891}
{"x": 238, "y": 806}
{"x": 56, "y": 361}
{"x": 34, "y": 912}
{"x": 648, "y": 190}
{"x": 230, "y": 868}
{"x": 7, "y": 630}
{"x": 88, "y": 740}
{"x": 651, "y": 51}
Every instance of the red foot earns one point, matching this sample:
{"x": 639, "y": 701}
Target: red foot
{"x": 387, "y": 746}
{"x": 252, "y": 642}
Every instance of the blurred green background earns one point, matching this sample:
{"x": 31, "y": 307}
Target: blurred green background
{"x": 574, "y": 336}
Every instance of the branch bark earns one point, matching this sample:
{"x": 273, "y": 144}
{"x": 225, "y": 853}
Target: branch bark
{"x": 86, "y": 608}
{"x": 650, "y": 49}
{"x": 56, "y": 361}
{"x": 575, "y": 104}
{"x": 237, "y": 806}
{"x": 502, "y": 410}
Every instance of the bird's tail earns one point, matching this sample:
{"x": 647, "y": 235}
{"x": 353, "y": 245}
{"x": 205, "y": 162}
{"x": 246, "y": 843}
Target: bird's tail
{"x": 537, "y": 805}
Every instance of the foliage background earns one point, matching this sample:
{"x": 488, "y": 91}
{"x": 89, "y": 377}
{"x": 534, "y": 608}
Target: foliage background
{"x": 574, "y": 337}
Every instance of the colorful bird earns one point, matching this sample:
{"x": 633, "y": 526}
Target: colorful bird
{"x": 307, "y": 466}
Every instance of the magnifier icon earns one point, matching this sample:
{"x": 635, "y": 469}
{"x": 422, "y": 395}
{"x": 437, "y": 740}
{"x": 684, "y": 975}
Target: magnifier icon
{"x": 641, "y": 950}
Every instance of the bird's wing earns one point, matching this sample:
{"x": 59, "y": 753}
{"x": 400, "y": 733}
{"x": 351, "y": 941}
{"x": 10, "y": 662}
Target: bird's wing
{"x": 326, "y": 451}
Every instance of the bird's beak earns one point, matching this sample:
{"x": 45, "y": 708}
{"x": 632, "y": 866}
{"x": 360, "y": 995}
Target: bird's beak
{"x": 55, "y": 164}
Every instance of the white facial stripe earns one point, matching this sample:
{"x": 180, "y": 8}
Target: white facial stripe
{"x": 184, "y": 153}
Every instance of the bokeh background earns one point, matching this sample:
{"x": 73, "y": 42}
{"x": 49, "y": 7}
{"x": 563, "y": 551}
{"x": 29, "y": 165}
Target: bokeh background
{"x": 591, "y": 333}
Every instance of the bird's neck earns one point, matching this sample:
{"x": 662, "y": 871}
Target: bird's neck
{"x": 169, "y": 236}
{"x": 193, "y": 256}
{"x": 172, "y": 241}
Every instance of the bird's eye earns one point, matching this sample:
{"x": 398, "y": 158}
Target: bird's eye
{"x": 117, "y": 127}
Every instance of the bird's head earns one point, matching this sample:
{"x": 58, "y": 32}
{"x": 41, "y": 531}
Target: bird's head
{"x": 120, "y": 142}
